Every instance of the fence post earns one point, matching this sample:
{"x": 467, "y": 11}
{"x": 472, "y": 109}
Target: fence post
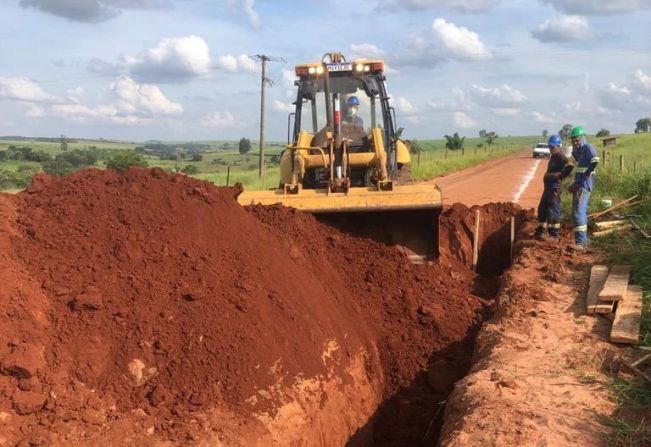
{"x": 634, "y": 166}
{"x": 621, "y": 163}
{"x": 603, "y": 157}
{"x": 446, "y": 152}
{"x": 475, "y": 150}
{"x": 228, "y": 174}
{"x": 418, "y": 158}
{"x": 463, "y": 151}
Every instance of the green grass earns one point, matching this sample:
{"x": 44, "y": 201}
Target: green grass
{"x": 436, "y": 162}
{"x": 617, "y": 184}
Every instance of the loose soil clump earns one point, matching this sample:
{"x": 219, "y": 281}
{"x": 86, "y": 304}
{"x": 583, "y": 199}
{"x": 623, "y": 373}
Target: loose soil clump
{"x": 152, "y": 309}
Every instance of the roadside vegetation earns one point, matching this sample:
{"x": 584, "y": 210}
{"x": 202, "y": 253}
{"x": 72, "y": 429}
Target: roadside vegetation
{"x": 221, "y": 162}
{"x": 632, "y": 425}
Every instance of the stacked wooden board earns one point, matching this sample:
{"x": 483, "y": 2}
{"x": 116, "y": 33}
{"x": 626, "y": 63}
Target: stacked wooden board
{"x": 610, "y": 291}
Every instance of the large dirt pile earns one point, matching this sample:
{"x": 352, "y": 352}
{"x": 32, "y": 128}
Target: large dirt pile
{"x": 147, "y": 307}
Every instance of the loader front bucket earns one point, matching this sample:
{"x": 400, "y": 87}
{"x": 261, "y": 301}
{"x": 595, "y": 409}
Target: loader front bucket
{"x": 406, "y": 216}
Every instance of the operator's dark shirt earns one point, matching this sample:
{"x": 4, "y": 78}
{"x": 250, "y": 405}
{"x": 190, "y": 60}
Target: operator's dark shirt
{"x": 356, "y": 120}
{"x": 558, "y": 163}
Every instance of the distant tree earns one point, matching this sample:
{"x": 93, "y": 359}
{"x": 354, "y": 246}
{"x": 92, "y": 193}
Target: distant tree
{"x": 565, "y": 131}
{"x": 603, "y": 133}
{"x": 58, "y": 166}
{"x": 643, "y": 125}
{"x": 454, "y": 142}
{"x": 197, "y": 157}
{"x": 490, "y": 137}
{"x": 545, "y": 133}
{"x": 482, "y": 134}
{"x": 245, "y": 145}
{"x": 190, "y": 170}
{"x": 126, "y": 159}
{"x": 414, "y": 146}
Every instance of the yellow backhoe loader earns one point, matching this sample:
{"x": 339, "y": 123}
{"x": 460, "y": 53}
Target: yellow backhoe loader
{"x": 348, "y": 168}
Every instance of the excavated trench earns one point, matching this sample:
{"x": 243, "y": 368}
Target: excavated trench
{"x": 150, "y": 309}
{"x": 413, "y": 415}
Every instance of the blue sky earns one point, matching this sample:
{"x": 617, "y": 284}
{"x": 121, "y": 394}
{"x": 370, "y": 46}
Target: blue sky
{"x": 182, "y": 69}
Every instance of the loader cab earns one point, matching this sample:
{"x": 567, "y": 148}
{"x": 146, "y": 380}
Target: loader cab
{"x": 363, "y": 79}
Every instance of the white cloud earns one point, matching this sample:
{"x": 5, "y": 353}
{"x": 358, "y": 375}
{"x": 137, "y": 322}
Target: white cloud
{"x": 540, "y": 118}
{"x": 281, "y": 106}
{"x": 248, "y": 8}
{"x": 34, "y": 111}
{"x": 502, "y": 96}
{"x": 506, "y": 111}
{"x": 642, "y": 80}
{"x": 420, "y": 5}
{"x": 365, "y": 50}
{"x": 562, "y": 29}
{"x": 219, "y": 120}
{"x": 404, "y": 106}
{"x": 236, "y": 63}
{"x": 23, "y": 89}
{"x": 173, "y": 59}
{"x": 573, "y": 107}
{"x": 463, "y": 121}
{"x": 597, "y": 7}
{"x": 143, "y": 98}
{"x": 458, "y": 41}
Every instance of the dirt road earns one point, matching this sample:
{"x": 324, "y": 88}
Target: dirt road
{"x": 517, "y": 178}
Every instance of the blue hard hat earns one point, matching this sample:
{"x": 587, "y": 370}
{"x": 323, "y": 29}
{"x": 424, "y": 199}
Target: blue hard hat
{"x": 353, "y": 101}
{"x": 555, "y": 140}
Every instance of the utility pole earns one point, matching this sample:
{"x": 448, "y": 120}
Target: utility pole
{"x": 263, "y": 82}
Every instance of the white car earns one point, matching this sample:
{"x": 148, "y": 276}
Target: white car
{"x": 541, "y": 150}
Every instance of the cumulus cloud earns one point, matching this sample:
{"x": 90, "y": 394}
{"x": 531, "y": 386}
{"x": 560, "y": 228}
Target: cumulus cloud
{"x": 642, "y": 80}
{"x": 597, "y": 7}
{"x": 562, "y": 29}
{"x": 458, "y": 41}
{"x": 365, "y": 50}
{"x": 248, "y": 8}
{"x": 421, "y": 5}
{"x": 23, "y": 89}
{"x": 404, "y": 106}
{"x": 280, "y": 106}
{"x": 444, "y": 41}
{"x": 463, "y": 121}
{"x": 131, "y": 104}
{"x": 91, "y": 11}
{"x": 172, "y": 59}
{"x": 506, "y": 111}
{"x": 500, "y": 97}
{"x": 134, "y": 98}
{"x": 236, "y": 63}
{"x": 219, "y": 120}
{"x": 540, "y": 118}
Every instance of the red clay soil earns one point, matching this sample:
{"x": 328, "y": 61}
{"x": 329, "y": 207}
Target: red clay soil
{"x": 456, "y": 234}
{"x": 159, "y": 296}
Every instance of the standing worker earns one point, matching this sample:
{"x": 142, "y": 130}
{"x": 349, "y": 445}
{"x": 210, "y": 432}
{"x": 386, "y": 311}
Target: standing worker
{"x": 586, "y": 163}
{"x": 549, "y": 209}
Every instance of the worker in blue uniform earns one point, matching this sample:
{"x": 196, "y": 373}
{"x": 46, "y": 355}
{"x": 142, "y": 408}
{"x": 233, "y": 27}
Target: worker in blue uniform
{"x": 586, "y": 163}
{"x": 549, "y": 209}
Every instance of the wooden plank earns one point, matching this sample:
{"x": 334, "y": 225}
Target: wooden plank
{"x": 616, "y": 283}
{"x": 610, "y": 223}
{"x": 626, "y": 327}
{"x": 625, "y": 227}
{"x": 598, "y": 275}
{"x": 475, "y": 242}
{"x": 612, "y": 208}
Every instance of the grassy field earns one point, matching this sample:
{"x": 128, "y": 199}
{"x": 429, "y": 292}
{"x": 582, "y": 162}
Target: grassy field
{"x": 216, "y": 161}
{"x": 615, "y": 183}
